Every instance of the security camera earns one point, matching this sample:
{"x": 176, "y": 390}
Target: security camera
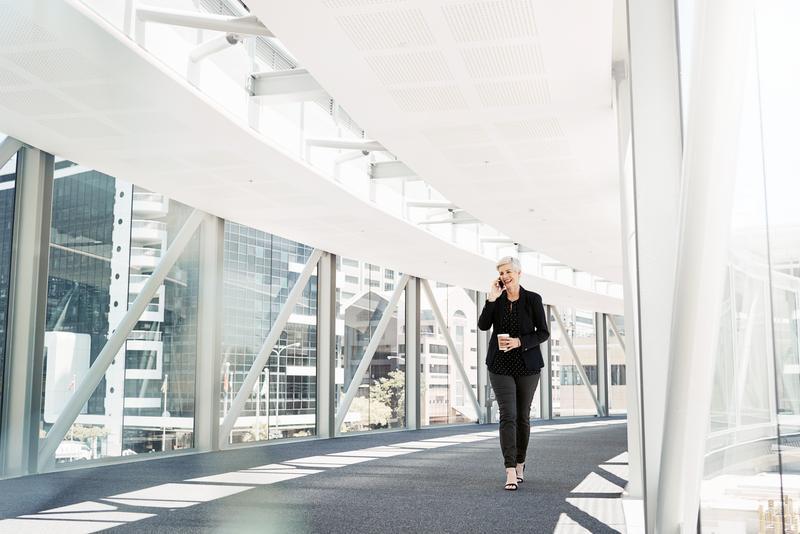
{"x": 365, "y": 152}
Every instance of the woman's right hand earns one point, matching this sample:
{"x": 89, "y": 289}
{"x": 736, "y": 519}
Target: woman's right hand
{"x": 494, "y": 290}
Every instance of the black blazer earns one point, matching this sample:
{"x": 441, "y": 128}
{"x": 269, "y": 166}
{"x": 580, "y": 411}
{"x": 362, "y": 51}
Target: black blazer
{"x": 533, "y": 326}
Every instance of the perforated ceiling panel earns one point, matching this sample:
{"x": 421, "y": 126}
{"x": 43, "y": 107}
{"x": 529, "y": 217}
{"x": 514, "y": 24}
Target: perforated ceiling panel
{"x": 488, "y": 21}
{"x": 540, "y": 127}
{"x": 103, "y": 96}
{"x": 473, "y": 155}
{"x": 8, "y": 78}
{"x": 540, "y": 149}
{"x": 17, "y": 28}
{"x": 466, "y": 134}
{"x": 82, "y": 127}
{"x": 485, "y": 172}
{"x": 513, "y": 93}
{"x": 414, "y": 67}
{"x": 335, "y": 4}
{"x": 476, "y": 91}
{"x": 434, "y": 99}
{"x": 146, "y": 122}
{"x": 387, "y": 29}
{"x": 34, "y": 102}
{"x": 56, "y": 65}
{"x": 501, "y": 61}
{"x": 90, "y": 95}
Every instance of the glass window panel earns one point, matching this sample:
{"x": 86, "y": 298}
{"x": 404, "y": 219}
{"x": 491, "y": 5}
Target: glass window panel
{"x": 778, "y": 85}
{"x": 742, "y": 470}
{"x": 380, "y": 400}
{"x": 106, "y": 238}
{"x": 8, "y": 177}
{"x": 617, "y": 378}
{"x": 445, "y": 398}
{"x": 571, "y": 397}
{"x": 260, "y": 270}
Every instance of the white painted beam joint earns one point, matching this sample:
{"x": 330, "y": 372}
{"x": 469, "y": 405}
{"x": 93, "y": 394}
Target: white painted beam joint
{"x": 248, "y": 25}
{"x": 293, "y": 85}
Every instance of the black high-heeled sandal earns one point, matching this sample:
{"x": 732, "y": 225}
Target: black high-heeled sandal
{"x": 521, "y": 479}
{"x": 510, "y": 486}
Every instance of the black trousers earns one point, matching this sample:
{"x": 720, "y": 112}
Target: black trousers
{"x": 514, "y": 395}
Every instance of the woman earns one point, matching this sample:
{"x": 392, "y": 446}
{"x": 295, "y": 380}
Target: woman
{"x": 514, "y": 360}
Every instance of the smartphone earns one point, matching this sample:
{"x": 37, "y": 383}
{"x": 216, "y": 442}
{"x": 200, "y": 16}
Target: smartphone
{"x": 500, "y": 283}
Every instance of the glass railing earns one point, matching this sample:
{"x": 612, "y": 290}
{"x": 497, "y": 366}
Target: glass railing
{"x": 218, "y": 66}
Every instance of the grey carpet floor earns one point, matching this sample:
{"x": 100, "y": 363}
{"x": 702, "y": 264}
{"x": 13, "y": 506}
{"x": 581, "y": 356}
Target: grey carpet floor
{"x": 450, "y": 489}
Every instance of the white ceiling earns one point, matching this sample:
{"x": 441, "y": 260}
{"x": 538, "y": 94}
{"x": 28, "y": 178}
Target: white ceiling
{"x": 504, "y": 106}
{"x": 72, "y": 85}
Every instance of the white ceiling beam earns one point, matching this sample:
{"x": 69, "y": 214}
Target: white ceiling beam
{"x": 299, "y": 188}
{"x": 212, "y": 46}
{"x": 293, "y": 85}
{"x": 451, "y": 221}
{"x": 248, "y": 25}
{"x": 499, "y": 240}
{"x": 430, "y": 204}
{"x": 347, "y": 144}
{"x": 391, "y": 169}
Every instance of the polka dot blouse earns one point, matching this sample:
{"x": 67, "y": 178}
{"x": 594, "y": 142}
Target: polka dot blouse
{"x": 510, "y": 362}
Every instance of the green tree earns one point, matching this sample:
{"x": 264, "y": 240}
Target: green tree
{"x": 390, "y": 391}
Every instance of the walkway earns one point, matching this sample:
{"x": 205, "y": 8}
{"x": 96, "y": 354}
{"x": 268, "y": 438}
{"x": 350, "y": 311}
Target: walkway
{"x": 437, "y": 480}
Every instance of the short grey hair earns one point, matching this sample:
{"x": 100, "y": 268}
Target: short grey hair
{"x": 515, "y": 264}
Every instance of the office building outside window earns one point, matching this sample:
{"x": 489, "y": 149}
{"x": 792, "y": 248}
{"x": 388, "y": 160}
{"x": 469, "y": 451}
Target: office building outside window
{"x": 260, "y": 270}
{"x": 106, "y": 239}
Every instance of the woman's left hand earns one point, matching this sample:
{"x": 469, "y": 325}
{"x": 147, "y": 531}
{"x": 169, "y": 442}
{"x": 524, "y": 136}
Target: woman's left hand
{"x": 514, "y": 343}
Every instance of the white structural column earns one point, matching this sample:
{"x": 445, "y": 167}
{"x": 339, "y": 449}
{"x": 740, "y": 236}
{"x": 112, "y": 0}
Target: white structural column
{"x": 209, "y": 335}
{"x": 118, "y": 297}
{"x": 723, "y": 37}
{"x": 602, "y": 360}
{"x": 369, "y": 352}
{"x": 326, "y": 345}
{"x": 650, "y": 200}
{"x": 546, "y": 375}
{"x": 455, "y": 357}
{"x": 483, "y": 372}
{"x": 26, "y": 313}
{"x": 115, "y": 341}
{"x": 245, "y": 390}
{"x": 622, "y": 106}
{"x": 578, "y": 364}
{"x": 413, "y": 369}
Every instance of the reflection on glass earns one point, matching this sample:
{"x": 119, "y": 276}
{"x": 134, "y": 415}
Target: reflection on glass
{"x": 742, "y": 477}
{"x": 571, "y": 397}
{"x": 363, "y": 292}
{"x": 8, "y": 177}
{"x": 260, "y": 270}
{"x": 445, "y": 398}
{"x": 106, "y": 238}
{"x": 617, "y": 377}
{"x": 779, "y": 84}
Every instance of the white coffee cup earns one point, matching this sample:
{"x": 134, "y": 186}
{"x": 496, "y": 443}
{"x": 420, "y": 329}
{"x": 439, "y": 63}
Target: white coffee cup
{"x": 505, "y": 336}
